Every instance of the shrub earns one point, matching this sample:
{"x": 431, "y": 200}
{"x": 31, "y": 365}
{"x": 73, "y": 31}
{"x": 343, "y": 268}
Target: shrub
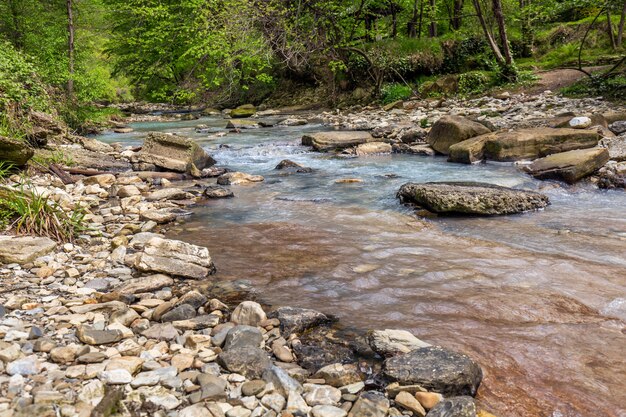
{"x": 473, "y": 83}
{"x": 394, "y": 92}
{"x": 28, "y": 213}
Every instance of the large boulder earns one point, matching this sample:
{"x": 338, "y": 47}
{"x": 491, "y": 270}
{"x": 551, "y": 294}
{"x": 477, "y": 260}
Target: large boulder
{"x": 247, "y": 110}
{"x": 176, "y": 258}
{"x": 522, "y": 144}
{"x": 327, "y": 141}
{"x": 470, "y": 198}
{"x": 22, "y": 250}
{"x": 569, "y": 166}
{"x": 15, "y": 152}
{"x": 174, "y": 153}
{"x": 453, "y": 129}
{"x": 436, "y": 369}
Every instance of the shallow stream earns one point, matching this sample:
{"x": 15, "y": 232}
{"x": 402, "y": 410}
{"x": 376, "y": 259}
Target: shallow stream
{"x": 538, "y": 299}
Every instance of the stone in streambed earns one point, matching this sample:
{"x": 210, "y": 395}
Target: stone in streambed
{"x": 372, "y": 148}
{"x": 98, "y": 337}
{"x": 238, "y": 178}
{"x": 248, "y": 361}
{"x": 450, "y": 130}
{"x": 409, "y": 402}
{"x": 145, "y": 284}
{"x": 243, "y": 336}
{"x": 569, "y": 166}
{"x": 470, "y": 198}
{"x": 182, "y": 312}
{"x": 297, "y": 320}
{"x": 249, "y": 313}
{"x": 462, "y": 406}
{"x": 436, "y": 369}
{"x": 175, "y": 153}
{"x": 370, "y": 404}
{"x": 327, "y": 141}
{"x": 339, "y": 375}
{"x": 218, "y": 192}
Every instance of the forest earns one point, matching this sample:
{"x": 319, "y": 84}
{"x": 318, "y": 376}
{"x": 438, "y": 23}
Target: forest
{"x": 227, "y": 52}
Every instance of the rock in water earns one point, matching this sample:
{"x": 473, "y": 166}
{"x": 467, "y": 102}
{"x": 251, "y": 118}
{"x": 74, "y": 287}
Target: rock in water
{"x": 175, "y": 153}
{"x": 238, "y": 178}
{"x": 15, "y": 152}
{"x": 453, "y": 129}
{"x": 372, "y": 148}
{"x": 22, "y": 250}
{"x": 175, "y": 258}
{"x": 436, "y": 369}
{"x": 391, "y": 342}
{"x": 247, "y": 110}
{"x": 215, "y": 191}
{"x": 297, "y": 320}
{"x": 327, "y": 141}
{"x": 470, "y": 198}
{"x": 569, "y": 166}
{"x": 454, "y": 407}
{"x": 521, "y": 144}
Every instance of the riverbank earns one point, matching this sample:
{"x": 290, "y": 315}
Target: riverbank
{"x": 124, "y": 208}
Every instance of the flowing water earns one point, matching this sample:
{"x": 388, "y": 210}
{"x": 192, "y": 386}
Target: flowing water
{"x": 538, "y": 299}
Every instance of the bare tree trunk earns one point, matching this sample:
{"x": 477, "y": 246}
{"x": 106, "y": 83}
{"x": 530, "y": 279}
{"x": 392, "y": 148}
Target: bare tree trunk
{"x": 620, "y": 29}
{"x": 70, "y": 49}
{"x": 456, "y": 17}
{"x": 497, "y": 13}
{"x": 394, "y": 21}
{"x": 432, "y": 30}
{"x": 419, "y": 27}
{"x": 17, "y": 31}
{"x": 492, "y": 43}
{"x": 412, "y": 25}
{"x": 609, "y": 28}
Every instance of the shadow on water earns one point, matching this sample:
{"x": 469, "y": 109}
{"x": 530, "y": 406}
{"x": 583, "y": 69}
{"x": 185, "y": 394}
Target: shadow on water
{"x": 538, "y": 299}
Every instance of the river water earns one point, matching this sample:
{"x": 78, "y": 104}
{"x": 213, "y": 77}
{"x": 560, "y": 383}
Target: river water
{"x": 538, "y": 299}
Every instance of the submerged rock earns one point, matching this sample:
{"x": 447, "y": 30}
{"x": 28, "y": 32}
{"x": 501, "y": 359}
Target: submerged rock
{"x": 569, "y": 166}
{"x": 470, "y": 198}
{"x": 453, "y": 129}
{"x": 327, "y": 141}
{"x": 290, "y": 166}
{"x": 436, "y": 369}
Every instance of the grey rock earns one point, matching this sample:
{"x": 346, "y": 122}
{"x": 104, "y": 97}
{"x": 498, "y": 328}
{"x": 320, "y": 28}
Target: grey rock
{"x": 250, "y": 362}
{"x": 283, "y": 383}
{"x": 24, "y": 249}
{"x": 339, "y": 375}
{"x": 390, "y": 342}
{"x": 182, "y": 312}
{"x": 436, "y": 369}
{"x": 297, "y": 320}
{"x": 454, "y": 407}
{"x": 175, "y": 258}
{"x": 470, "y": 198}
{"x": 165, "y": 331}
{"x": 218, "y": 192}
{"x": 243, "y": 336}
{"x": 450, "y": 130}
{"x": 252, "y": 388}
{"x": 193, "y": 298}
{"x": 98, "y": 337}
{"x": 370, "y": 404}
{"x": 618, "y": 127}
{"x": 197, "y": 323}
{"x": 175, "y": 153}
{"x": 145, "y": 284}
{"x": 248, "y": 313}
{"x": 327, "y": 141}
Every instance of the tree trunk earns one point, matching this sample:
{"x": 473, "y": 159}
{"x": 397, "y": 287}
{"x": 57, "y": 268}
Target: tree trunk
{"x": 499, "y": 16}
{"x": 419, "y": 27}
{"x": 492, "y": 43}
{"x": 432, "y": 29}
{"x": 412, "y": 25}
{"x": 528, "y": 33}
{"x": 17, "y": 35}
{"x": 609, "y": 28}
{"x": 620, "y": 29}
{"x": 70, "y": 49}
{"x": 394, "y": 22}
{"x": 456, "y": 16}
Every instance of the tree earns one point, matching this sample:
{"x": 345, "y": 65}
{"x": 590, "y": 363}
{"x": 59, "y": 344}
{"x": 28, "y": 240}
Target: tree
{"x": 70, "y": 50}
{"x": 620, "y": 28}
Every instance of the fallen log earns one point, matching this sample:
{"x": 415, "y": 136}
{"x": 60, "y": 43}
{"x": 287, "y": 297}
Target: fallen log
{"x": 59, "y": 172}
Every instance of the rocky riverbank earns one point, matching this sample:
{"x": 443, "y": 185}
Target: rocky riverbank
{"x": 124, "y": 320}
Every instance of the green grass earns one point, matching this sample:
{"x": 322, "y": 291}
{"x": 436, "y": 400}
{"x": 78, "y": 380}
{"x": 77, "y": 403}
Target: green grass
{"x": 612, "y": 88}
{"x": 27, "y": 213}
{"x": 46, "y": 158}
{"x": 394, "y": 92}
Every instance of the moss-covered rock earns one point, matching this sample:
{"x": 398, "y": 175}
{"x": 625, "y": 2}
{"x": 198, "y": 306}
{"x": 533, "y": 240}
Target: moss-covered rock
{"x": 247, "y": 110}
{"x": 15, "y": 152}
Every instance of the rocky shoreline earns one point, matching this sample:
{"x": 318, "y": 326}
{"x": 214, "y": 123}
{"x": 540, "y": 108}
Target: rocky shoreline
{"x": 118, "y": 321}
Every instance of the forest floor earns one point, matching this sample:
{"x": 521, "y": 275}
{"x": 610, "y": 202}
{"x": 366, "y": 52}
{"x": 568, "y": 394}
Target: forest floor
{"x": 556, "y": 79}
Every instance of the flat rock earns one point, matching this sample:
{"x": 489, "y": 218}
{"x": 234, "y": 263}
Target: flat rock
{"x": 168, "y": 194}
{"x": 165, "y": 331}
{"x": 242, "y": 124}
{"x": 372, "y": 148}
{"x": 175, "y": 258}
{"x": 179, "y": 313}
{"x": 569, "y": 166}
{"x": 98, "y": 337}
{"x": 218, "y": 192}
{"x": 450, "y": 130}
{"x": 521, "y": 144}
{"x": 243, "y": 336}
{"x": 436, "y": 369}
{"x": 339, "y": 375}
{"x": 370, "y": 404}
{"x": 462, "y": 406}
{"x": 470, "y": 198}
{"x": 145, "y": 284}
{"x": 327, "y": 141}
{"x": 24, "y": 249}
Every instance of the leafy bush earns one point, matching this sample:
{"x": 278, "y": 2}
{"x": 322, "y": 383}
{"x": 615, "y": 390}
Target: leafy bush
{"x": 612, "y": 87}
{"x": 394, "y": 92}
{"x": 473, "y": 83}
{"x": 29, "y": 213}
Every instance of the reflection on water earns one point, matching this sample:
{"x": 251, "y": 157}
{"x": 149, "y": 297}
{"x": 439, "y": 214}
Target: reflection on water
{"x": 537, "y": 299}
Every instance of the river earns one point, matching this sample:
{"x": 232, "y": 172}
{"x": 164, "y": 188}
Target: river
{"x": 538, "y": 299}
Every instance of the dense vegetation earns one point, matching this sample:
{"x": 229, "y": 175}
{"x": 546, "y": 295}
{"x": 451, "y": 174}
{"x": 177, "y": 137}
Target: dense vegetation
{"x": 64, "y": 56}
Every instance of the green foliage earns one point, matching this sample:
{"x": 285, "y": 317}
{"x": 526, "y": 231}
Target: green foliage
{"x": 46, "y": 158}
{"x": 26, "y": 212}
{"x": 394, "y": 92}
{"x": 82, "y": 117}
{"x": 473, "y": 83}
{"x": 613, "y": 87}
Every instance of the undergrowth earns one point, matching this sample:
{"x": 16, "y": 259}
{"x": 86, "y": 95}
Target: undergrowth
{"x": 29, "y": 213}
